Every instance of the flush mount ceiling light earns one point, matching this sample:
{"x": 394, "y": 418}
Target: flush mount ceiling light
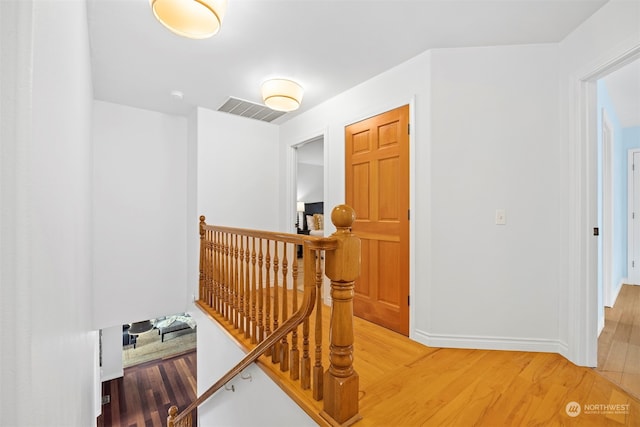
{"x": 196, "y": 19}
{"x": 282, "y": 94}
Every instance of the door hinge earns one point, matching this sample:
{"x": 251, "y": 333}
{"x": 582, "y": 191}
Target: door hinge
{"x": 409, "y": 214}
{"x": 633, "y": 264}
{"x": 596, "y": 231}
{"x": 408, "y": 299}
{"x": 408, "y": 129}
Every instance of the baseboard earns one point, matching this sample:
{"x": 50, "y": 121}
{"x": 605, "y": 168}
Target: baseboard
{"x": 490, "y": 343}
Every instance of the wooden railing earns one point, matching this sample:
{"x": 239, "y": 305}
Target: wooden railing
{"x": 250, "y": 283}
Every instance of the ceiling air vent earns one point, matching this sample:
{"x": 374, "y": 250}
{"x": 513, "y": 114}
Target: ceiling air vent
{"x": 249, "y": 109}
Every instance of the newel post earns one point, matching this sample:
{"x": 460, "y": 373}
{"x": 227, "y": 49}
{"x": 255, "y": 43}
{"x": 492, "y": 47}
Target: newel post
{"x": 173, "y": 411}
{"x": 341, "y": 382}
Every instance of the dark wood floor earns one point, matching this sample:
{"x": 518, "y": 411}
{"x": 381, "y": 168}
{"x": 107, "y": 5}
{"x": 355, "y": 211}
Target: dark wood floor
{"x": 144, "y": 395}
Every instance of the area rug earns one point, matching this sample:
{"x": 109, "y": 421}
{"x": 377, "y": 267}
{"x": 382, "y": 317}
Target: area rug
{"x": 149, "y": 347}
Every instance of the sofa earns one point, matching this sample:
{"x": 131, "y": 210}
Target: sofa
{"x": 175, "y": 323}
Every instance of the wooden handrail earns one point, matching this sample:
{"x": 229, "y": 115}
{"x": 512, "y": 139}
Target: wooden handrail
{"x": 228, "y": 260}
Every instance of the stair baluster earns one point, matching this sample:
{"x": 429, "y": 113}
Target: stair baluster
{"x": 253, "y": 292}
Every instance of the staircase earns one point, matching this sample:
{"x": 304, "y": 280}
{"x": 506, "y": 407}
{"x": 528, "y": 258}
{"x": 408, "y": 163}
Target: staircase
{"x": 254, "y": 284}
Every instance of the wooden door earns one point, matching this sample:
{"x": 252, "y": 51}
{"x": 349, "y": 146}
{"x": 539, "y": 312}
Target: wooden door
{"x": 377, "y": 187}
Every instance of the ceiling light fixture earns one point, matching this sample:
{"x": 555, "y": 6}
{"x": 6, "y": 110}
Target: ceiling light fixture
{"x": 282, "y": 94}
{"x": 196, "y": 19}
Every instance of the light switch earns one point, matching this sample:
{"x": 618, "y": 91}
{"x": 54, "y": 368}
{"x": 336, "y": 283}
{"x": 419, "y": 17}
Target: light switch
{"x": 501, "y": 217}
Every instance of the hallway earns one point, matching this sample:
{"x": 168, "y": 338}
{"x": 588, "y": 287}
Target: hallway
{"x": 619, "y": 342}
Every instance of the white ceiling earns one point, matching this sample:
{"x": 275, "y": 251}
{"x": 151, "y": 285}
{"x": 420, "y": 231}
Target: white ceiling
{"x": 328, "y": 46}
{"x": 623, "y": 86}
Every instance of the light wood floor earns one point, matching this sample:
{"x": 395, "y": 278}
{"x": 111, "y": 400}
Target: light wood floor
{"x": 416, "y": 385}
{"x": 149, "y": 346}
{"x": 619, "y": 342}
{"x": 404, "y": 383}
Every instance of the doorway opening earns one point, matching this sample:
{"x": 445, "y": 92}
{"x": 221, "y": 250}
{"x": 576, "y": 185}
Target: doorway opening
{"x": 618, "y": 205}
{"x": 309, "y": 184}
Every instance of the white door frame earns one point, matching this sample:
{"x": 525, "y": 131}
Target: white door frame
{"x": 292, "y": 175}
{"x": 582, "y": 298}
{"x": 607, "y": 210}
{"x": 633, "y": 271}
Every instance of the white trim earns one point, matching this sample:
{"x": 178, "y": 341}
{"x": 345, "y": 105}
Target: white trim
{"x": 290, "y": 187}
{"x": 633, "y": 276}
{"x": 291, "y": 191}
{"x": 292, "y": 175}
{"x": 582, "y": 298}
{"x": 490, "y": 343}
{"x": 412, "y": 210}
{"x": 614, "y": 64}
{"x": 607, "y": 209}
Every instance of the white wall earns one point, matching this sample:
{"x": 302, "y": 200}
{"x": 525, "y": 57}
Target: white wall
{"x": 269, "y": 405}
{"x": 484, "y": 136}
{"x": 192, "y": 224}
{"x": 494, "y": 138}
{"x": 237, "y": 171}
{"x": 48, "y": 353}
{"x": 310, "y": 171}
{"x": 140, "y": 214}
{"x": 310, "y": 183}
